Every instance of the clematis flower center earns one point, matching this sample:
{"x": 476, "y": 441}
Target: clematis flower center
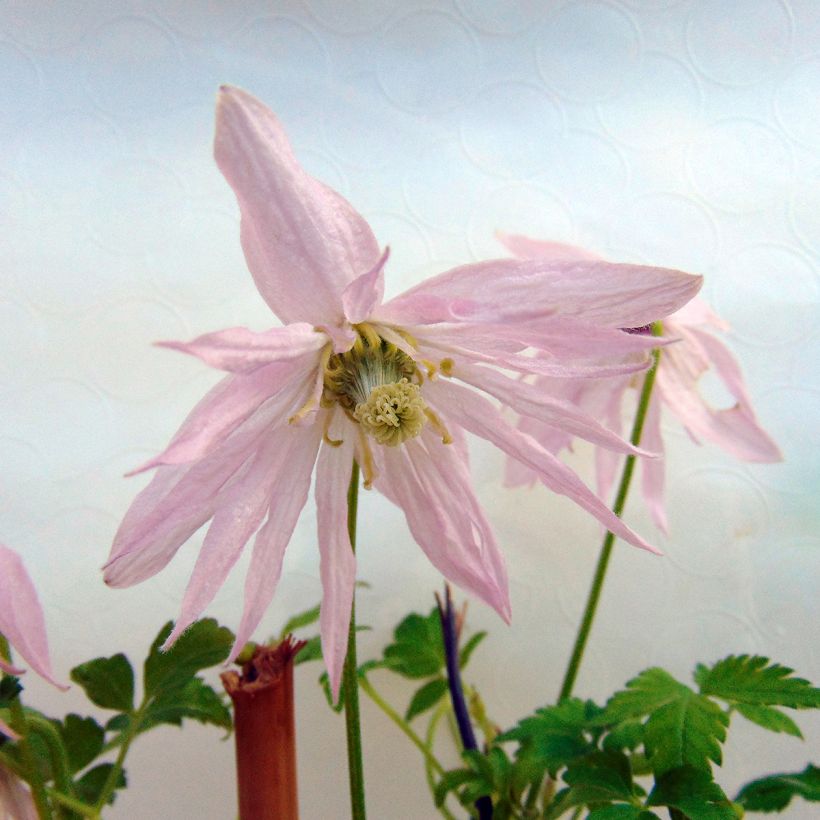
{"x": 377, "y": 385}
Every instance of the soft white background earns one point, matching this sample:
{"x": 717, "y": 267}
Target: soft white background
{"x": 679, "y": 133}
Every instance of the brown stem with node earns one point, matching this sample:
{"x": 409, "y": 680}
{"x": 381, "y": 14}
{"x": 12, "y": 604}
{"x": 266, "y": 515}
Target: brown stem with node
{"x": 265, "y": 731}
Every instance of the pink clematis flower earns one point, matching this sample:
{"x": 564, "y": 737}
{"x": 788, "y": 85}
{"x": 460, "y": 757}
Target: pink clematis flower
{"x": 682, "y": 364}
{"x": 349, "y": 377}
{"x": 22, "y": 622}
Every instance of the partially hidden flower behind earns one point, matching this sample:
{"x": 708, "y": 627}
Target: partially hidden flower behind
{"x": 16, "y": 802}
{"x": 392, "y": 385}
{"x": 22, "y": 622}
{"x": 695, "y": 351}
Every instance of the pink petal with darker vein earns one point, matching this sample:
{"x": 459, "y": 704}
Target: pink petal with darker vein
{"x": 337, "y": 563}
{"x": 240, "y": 350}
{"x": 303, "y": 242}
{"x": 287, "y": 498}
{"x": 21, "y": 616}
{"x": 477, "y": 415}
{"x": 364, "y": 294}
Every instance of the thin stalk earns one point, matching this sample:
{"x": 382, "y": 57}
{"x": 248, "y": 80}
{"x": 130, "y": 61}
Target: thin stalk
{"x": 367, "y": 688}
{"x": 19, "y": 723}
{"x": 429, "y": 738}
{"x": 116, "y": 770}
{"x": 57, "y": 753}
{"x": 609, "y": 539}
{"x": 75, "y": 805}
{"x": 350, "y": 675}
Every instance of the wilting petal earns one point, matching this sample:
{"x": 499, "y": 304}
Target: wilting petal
{"x": 613, "y": 295}
{"x": 430, "y": 482}
{"x": 653, "y": 472}
{"x": 287, "y": 498}
{"x": 477, "y": 415}
{"x": 303, "y": 242}
{"x": 530, "y": 400}
{"x": 240, "y": 350}
{"x": 281, "y": 387}
{"x": 526, "y": 248}
{"x": 21, "y": 616}
{"x": 338, "y": 563}
{"x": 364, "y": 294}
{"x": 240, "y": 511}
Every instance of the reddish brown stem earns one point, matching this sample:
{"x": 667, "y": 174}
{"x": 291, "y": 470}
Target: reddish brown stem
{"x": 265, "y": 732}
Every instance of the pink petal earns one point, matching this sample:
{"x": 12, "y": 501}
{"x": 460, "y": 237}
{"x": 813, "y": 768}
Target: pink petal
{"x": 240, "y": 350}
{"x": 652, "y": 472}
{"x": 613, "y": 295}
{"x": 608, "y": 463}
{"x": 239, "y": 513}
{"x": 477, "y": 415}
{"x": 338, "y": 563}
{"x": 342, "y": 337}
{"x": 6, "y": 730}
{"x": 21, "y": 616}
{"x": 16, "y": 802}
{"x": 287, "y": 498}
{"x": 697, "y": 312}
{"x": 364, "y": 294}
{"x": 533, "y": 401}
{"x": 9, "y": 669}
{"x": 274, "y": 391}
{"x": 303, "y": 242}
{"x": 430, "y": 481}
{"x": 526, "y": 248}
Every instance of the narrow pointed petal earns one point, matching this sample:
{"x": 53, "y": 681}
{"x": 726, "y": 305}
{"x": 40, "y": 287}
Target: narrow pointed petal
{"x": 337, "y": 561}
{"x": 530, "y": 400}
{"x": 364, "y": 294}
{"x": 477, "y": 415}
{"x": 272, "y": 392}
{"x": 239, "y": 350}
{"x": 287, "y": 499}
{"x": 303, "y": 242}
{"x": 238, "y": 516}
{"x": 526, "y": 248}
{"x": 21, "y": 616}
{"x": 431, "y": 483}
{"x": 613, "y": 295}
{"x": 653, "y": 472}
{"x": 6, "y": 730}
{"x": 608, "y": 463}
{"x": 9, "y": 669}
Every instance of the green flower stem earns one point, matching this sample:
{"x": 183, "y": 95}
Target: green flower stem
{"x": 350, "y": 675}
{"x": 609, "y": 539}
{"x": 19, "y": 723}
{"x": 75, "y": 805}
{"x": 59, "y": 758}
{"x": 430, "y": 758}
{"x": 127, "y": 739}
{"x": 442, "y": 709}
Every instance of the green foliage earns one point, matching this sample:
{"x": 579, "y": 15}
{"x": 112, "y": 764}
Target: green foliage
{"x": 301, "y": 619}
{"x": 83, "y": 739}
{"x": 417, "y": 650}
{"x": 469, "y": 647}
{"x": 769, "y": 718}
{"x": 195, "y": 700}
{"x": 693, "y": 792}
{"x": 774, "y": 793}
{"x": 89, "y": 787}
{"x": 426, "y": 697}
{"x": 10, "y": 688}
{"x": 108, "y": 682}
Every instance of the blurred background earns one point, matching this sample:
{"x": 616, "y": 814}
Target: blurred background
{"x": 683, "y": 133}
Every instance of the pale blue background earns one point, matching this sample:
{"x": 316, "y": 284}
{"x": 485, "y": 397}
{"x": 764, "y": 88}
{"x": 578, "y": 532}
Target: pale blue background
{"x": 681, "y": 133}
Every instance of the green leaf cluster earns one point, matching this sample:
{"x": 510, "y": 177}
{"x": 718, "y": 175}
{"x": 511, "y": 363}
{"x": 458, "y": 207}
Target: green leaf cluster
{"x": 577, "y": 754}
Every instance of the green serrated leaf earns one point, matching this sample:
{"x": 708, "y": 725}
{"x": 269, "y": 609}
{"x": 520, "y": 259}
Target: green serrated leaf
{"x": 686, "y": 731}
{"x": 626, "y": 735}
{"x": 774, "y": 793}
{"x": 469, "y": 647}
{"x": 90, "y": 785}
{"x": 306, "y": 618}
{"x": 202, "y": 645}
{"x": 426, "y": 697}
{"x": 644, "y": 694}
{"x": 83, "y": 739}
{"x": 450, "y": 781}
{"x": 693, "y": 792}
{"x": 601, "y": 775}
{"x": 108, "y": 682}
{"x": 754, "y": 680}
{"x": 418, "y": 648}
{"x": 195, "y": 700}
{"x": 621, "y": 811}
{"x": 769, "y": 718}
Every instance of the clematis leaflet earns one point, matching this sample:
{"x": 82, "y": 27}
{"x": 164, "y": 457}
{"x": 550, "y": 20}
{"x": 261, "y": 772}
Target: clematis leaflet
{"x": 394, "y": 385}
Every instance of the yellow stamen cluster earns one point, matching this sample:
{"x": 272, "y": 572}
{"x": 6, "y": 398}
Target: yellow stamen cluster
{"x": 377, "y": 385}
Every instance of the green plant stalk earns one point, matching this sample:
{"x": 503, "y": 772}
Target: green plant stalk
{"x": 75, "y": 805}
{"x": 442, "y": 709}
{"x": 350, "y": 674}
{"x": 430, "y": 758}
{"x": 609, "y": 539}
{"x": 128, "y": 738}
{"x": 57, "y": 753}
{"x": 20, "y": 725}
